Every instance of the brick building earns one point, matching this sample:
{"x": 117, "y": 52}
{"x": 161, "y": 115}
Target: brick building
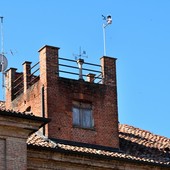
{"x": 68, "y": 123}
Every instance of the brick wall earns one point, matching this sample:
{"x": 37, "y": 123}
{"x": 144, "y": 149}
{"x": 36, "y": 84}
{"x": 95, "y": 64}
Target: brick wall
{"x": 104, "y": 109}
{"x": 2, "y": 154}
{"x": 14, "y": 130}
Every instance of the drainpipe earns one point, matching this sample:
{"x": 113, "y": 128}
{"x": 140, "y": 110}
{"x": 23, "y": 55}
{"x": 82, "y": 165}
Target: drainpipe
{"x": 42, "y": 107}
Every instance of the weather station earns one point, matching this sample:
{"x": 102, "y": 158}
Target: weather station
{"x": 108, "y": 20}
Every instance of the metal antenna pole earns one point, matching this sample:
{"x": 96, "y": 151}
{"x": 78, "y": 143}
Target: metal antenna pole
{"x": 2, "y": 38}
{"x": 108, "y": 22}
{"x": 104, "y": 39}
{"x": 2, "y": 52}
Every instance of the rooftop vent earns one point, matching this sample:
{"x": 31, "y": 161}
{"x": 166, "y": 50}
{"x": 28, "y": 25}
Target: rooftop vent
{"x": 80, "y": 65}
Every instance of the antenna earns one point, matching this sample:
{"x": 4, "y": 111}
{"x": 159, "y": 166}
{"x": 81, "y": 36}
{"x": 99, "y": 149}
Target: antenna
{"x": 2, "y": 38}
{"x": 3, "y": 59}
{"x": 108, "y": 22}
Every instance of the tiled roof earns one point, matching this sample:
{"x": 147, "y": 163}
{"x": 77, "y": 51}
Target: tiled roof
{"x": 2, "y": 105}
{"x": 135, "y": 144}
{"x": 144, "y": 144}
{"x": 38, "y": 140}
{"x": 22, "y": 115}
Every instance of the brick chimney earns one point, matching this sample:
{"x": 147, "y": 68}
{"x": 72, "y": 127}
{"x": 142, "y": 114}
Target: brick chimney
{"x": 9, "y": 77}
{"x": 48, "y": 64}
{"x": 109, "y": 70}
{"x": 26, "y": 74}
{"x": 91, "y": 77}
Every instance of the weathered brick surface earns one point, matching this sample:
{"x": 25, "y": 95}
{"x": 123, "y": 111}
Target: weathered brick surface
{"x": 13, "y": 148}
{"x": 2, "y": 154}
{"x": 16, "y": 157}
{"x": 32, "y": 98}
{"x": 104, "y": 111}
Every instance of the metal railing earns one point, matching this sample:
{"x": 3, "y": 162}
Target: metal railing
{"x": 18, "y": 84}
{"x": 35, "y": 75}
{"x": 68, "y": 68}
{"x": 19, "y": 81}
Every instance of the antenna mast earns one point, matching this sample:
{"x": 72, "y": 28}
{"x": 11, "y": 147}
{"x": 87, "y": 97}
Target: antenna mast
{"x": 108, "y": 22}
{"x": 2, "y": 37}
{"x": 3, "y": 59}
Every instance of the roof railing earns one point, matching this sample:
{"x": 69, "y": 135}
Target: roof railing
{"x": 67, "y": 68}
{"x": 70, "y": 67}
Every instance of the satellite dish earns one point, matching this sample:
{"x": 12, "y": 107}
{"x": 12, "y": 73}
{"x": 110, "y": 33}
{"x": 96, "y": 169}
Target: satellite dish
{"x": 3, "y": 63}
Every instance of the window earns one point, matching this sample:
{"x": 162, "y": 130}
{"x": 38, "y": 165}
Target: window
{"x": 82, "y": 115}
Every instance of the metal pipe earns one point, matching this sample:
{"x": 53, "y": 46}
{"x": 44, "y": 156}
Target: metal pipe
{"x": 104, "y": 39}
{"x": 42, "y": 107}
{"x": 80, "y": 64}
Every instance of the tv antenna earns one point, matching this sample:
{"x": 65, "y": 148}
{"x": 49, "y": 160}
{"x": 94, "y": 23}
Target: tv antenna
{"x": 108, "y": 20}
{"x": 3, "y": 59}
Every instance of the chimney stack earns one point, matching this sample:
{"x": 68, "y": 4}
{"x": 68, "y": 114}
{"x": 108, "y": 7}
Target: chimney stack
{"x": 109, "y": 70}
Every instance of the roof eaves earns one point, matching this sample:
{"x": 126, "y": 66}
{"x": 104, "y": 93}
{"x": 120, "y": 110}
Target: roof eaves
{"x": 99, "y": 156}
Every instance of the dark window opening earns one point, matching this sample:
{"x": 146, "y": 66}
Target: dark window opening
{"x": 82, "y": 115}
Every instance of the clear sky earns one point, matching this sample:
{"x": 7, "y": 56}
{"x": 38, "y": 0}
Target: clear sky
{"x": 139, "y": 37}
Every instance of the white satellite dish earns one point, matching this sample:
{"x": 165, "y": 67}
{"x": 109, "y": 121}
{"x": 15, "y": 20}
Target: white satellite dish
{"x": 3, "y": 63}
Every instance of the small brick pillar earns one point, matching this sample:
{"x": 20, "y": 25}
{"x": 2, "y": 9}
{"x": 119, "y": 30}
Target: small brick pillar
{"x": 91, "y": 77}
{"x": 26, "y": 73}
{"x": 49, "y": 68}
{"x": 49, "y": 73}
{"x": 109, "y": 70}
{"x": 9, "y": 78}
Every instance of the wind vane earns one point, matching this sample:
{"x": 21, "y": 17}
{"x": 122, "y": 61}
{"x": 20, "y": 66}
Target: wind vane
{"x": 80, "y": 62}
{"x": 80, "y": 55}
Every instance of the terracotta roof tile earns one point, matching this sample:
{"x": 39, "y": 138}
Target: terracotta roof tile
{"x": 135, "y": 144}
{"x": 3, "y": 108}
{"x": 39, "y": 140}
{"x": 42, "y": 141}
{"x": 24, "y": 115}
{"x": 2, "y": 105}
{"x": 144, "y": 144}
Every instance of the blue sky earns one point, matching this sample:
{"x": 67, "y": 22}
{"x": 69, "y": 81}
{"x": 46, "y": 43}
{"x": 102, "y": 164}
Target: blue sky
{"x": 139, "y": 38}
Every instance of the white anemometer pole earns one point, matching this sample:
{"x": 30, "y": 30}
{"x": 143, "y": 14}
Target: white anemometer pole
{"x": 108, "y": 22}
